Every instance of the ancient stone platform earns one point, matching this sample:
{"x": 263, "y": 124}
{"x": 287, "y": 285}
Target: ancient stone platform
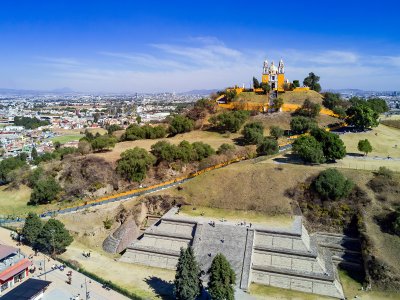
{"x": 282, "y": 257}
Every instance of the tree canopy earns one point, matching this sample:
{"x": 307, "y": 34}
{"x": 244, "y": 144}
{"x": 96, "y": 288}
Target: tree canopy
{"x": 30, "y": 123}
{"x": 364, "y": 146}
{"x": 103, "y": 142}
{"x": 256, "y": 83}
{"x": 187, "y": 284}
{"x": 267, "y": 146}
{"x": 312, "y": 81}
{"x": 54, "y": 238}
{"x": 302, "y": 124}
{"x": 308, "y": 109}
{"x": 32, "y": 227}
{"x": 44, "y": 191}
{"x": 253, "y": 133}
{"x": 309, "y": 149}
{"x": 332, "y": 185}
{"x": 134, "y": 163}
{"x": 180, "y": 124}
{"x": 135, "y": 132}
{"x": 230, "y": 121}
{"x": 362, "y": 116}
{"x": 222, "y": 279}
{"x": 186, "y": 152}
{"x": 332, "y": 146}
{"x": 10, "y": 164}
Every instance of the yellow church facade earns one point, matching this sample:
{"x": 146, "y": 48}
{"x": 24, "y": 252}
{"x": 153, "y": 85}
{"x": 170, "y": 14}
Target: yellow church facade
{"x": 274, "y": 76}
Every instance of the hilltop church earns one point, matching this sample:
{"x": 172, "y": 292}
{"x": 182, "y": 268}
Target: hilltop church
{"x": 274, "y": 76}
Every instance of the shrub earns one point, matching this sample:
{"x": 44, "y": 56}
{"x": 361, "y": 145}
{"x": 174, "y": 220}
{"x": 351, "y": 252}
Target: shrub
{"x": 44, "y": 191}
{"x": 134, "y": 163}
{"x": 308, "y": 109}
{"x": 224, "y": 148}
{"x": 332, "y": 185}
{"x": 180, "y": 124}
{"x": 267, "y": 146}
{"x": 276, "y": 132}
{"x": 302, "y": 124}
{"x": 385, "y": 172}
{"x": 230, "y": 121}
{"x": 253, "y": 133}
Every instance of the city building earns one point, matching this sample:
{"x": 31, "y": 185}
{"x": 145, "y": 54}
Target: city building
{"x": 14, "y": 267}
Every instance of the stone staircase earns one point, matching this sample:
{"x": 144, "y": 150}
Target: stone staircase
{"x": 229, "y": 240}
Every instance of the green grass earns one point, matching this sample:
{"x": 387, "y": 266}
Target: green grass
{"x": 270, "y": 292}
{"x": 236, "y": 215}
{"x": 67, "y": 138}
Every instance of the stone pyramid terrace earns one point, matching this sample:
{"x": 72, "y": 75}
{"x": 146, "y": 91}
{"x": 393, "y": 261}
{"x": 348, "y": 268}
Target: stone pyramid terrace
{"x": 282, "y": 257}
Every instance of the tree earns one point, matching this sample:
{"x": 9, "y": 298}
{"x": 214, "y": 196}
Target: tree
{"x": 180, "y": 124}
{"x": 187, "y": 284}
{"x": 84, "y": 147}
{"x": 296, "y": 83}
{"x": 312, "y": 82}
{"x": 332, "y": 146}
{"x": 362, "y": 116}
{"x": 340, "y": 111}
{"x": 277, "y": 103}
{"x": 44, "y": 191}
{"x": 9, "y": 164}
{"x": 134, "y": 163}
{"x": 222, "y": 279}
{"x": 309, "y": 149}
{"x": 112, "y": 128}
{"x": 230, "y": 95}
{"x": 332, "y": 185}
{"x": 265, "y": 87}
{"x": 230, "y": 121}
{"x": 302, "y": 124}
{"x": 276, "y": 132}
{"x": 32, "y": 227}
{"x": 53, "y": 238}
{"x": 331, "y": 100}
{"x": 34, "y": 153}
{"x": 225, "y": 148}
{"x": 202, "y": 150}
{"x": 267, "y": 146}
{"x": 364, "y": 146}
{"x": 253, "y": 133}
{"x": 138, "y": 119}
{"x": 308, "y": 109}
{"x": 57, "y": 145}
{"x": 256, "y": 83}
{"x": 103, "y": 142}
{"x": 378, "y": 105}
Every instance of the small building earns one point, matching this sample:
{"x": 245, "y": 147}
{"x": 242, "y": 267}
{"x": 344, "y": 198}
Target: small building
{"x": 32, "y": 289}
{"x": 13, "y": 267}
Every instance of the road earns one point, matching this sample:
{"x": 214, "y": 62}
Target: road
{"x": 59, "y": 289}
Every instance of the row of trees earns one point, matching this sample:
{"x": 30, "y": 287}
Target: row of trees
{"x": 50, "y": 237}
{"x": 135, "y": 132}
{"x": 30, "y": 123}
{"x": 188, "y": 285}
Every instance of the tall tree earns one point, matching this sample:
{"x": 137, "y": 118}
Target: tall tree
{"x": 256, "y": 83}
{"x": 53, "y": 238}
{"x": 362, "y": 116}
{"x": 134, "y": 163}
{"x": 312, "y": 81}
{"x": 187, "y": 284}
{"x": 222, "y": 279}
{"x": 332, "y": 146}
{"x": 34, "y": 153}
{"x": 32, "y": 227}
{"x": 364, "y": 146}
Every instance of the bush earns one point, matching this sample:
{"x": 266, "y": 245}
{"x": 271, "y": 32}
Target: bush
{"x": 385, "y": 172}
{"x": 253, "y": 133}
{"x": 332, "y": 185}
{"x": 135, "y": 132}
{"x": 180, "y": 124}
{"x": 331, "y": 100}
{"x": 186, "y": 152}
{"x": 9, "y": 164}
{"x": 103, "y": 142}
{"x": 308, "y": 109}
{"x": 225, "y": 148}
{"x": 112, "y": 128}
{"x": 267, "y": 146}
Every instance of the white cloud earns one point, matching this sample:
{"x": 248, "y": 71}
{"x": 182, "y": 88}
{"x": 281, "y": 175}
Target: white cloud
{"x": 206, "y": 62}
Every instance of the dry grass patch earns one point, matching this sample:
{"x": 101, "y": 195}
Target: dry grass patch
{"x": 273, "y": 293}
{"x": 14, "y": 202}
{"x": 299, "y": 97}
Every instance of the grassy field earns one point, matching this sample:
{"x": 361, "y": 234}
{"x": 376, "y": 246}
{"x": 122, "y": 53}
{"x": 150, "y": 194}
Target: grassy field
{"x": 79, "y": 130}
{"x": 237, "y": 216}
{"x": 67, "y": 138}
{"x": 252, "y": 97}
{"x": 382, "y": 138}
{"x": 13, "y": 202}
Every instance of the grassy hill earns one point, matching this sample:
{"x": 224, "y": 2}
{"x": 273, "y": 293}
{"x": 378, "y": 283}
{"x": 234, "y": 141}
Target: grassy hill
{"x": 252, "y": 97}
{"x": 299, "y": 97}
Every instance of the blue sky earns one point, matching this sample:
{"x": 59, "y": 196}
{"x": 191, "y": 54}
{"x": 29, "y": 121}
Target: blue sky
{"x": 151, "y": 46}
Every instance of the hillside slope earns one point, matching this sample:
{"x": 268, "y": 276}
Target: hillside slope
{"x": 299, "y": 97}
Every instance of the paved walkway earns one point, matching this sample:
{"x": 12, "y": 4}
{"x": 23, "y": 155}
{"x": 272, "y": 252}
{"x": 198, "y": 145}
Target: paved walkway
{"x": 59, "y": 289}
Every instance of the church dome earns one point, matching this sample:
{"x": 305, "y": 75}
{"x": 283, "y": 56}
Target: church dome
{"x": 273, "y": 69}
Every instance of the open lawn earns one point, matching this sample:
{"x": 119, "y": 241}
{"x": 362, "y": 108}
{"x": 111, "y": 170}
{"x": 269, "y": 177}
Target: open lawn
{"x": 382, "y": 138}
{"x": 212, "y": 138}
{"x": 67, "y": 138}
{"x": 13, "y": 202}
